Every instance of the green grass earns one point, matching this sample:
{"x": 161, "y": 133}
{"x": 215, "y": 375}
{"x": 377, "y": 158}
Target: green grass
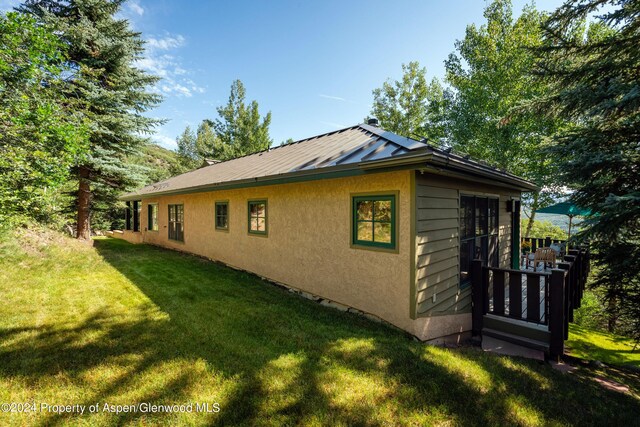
{"x": 608, "y": 348}
{"x": 123, "y": 324}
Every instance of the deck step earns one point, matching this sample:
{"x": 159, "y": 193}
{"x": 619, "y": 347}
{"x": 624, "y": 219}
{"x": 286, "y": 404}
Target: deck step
{"x": 494, "y": 345}
{"x": 516, "y": 339}
{"x": 517, "y": 327}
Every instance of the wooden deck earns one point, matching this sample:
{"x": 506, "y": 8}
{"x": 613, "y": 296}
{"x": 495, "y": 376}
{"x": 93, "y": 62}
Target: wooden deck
{"x": 529, "y": 308}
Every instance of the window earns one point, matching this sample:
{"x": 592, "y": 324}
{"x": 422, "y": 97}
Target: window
{"x": 258, "y": 217}
{"x": 478, "y": 233}
{"x": 222, "y": 215}
{"x": 176, "y": 222}
{"x": 127, "y": 217}
{"x": 374, "y": 222}
{"x": 137, "y": 208}
{"x": 152, "y": 219}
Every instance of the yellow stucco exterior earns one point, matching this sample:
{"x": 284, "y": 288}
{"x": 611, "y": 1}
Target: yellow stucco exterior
{"x": 308, "y": 245}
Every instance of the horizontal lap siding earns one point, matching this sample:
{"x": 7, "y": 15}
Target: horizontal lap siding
{"x": 437, "y": 241}
{"x": 437, "y": 250}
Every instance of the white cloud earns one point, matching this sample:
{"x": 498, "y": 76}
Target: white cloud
{"x": 335, "y": 98}
{"x": 171, "y": 88}
{"x": 165, "y": 141}
{"x": 165, "y": 43}
{"x": 160, "y": 61}
{"x": 135, "y": 7}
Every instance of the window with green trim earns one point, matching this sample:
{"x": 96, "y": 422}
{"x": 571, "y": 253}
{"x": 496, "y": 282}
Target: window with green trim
{"x": 374, "y": 221}
{"x": 222, "y": 215}
{"x": 152, "y": 220}
{"x": 258, "y": 217}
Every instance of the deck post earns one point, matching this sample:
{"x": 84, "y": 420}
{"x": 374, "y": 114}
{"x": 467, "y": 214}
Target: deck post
{"x": 547, "y": 242}
{"x": 567, "y": 267}
{"x": 477, "y": 297}
{"x": 556, "y": 312}
{"x": 578, "y": 279}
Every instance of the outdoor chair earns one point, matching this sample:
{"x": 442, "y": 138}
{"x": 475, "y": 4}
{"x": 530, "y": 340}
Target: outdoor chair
{"x": 544, "y": 255}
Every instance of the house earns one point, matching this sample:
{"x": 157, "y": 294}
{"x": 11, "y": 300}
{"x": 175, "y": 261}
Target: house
{"x": 361, "y": 217}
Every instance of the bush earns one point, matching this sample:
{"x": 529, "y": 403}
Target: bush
{"x": 543, "y": 229}
{"x": 591, "y": 314}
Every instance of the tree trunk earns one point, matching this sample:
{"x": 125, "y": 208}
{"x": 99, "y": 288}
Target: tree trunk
{"x": 84, "y": 200}
{"x": 532, "y": 217}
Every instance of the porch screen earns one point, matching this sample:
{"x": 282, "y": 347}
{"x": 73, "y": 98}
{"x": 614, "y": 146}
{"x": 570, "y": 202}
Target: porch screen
{"x": 478, "y": 233}
{"x": 176, "y": 222}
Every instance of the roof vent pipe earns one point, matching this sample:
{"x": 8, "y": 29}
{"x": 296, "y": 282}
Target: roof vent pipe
{"x": 372, "y": 122}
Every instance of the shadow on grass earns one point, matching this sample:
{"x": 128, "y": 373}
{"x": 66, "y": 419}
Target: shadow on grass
{"x": 607, "y": 348}
{"x": 279, "y": 359}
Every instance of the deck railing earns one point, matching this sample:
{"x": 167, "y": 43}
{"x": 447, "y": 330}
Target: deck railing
{"x": 549, "y": 297}
{"x": 541, "y": 242}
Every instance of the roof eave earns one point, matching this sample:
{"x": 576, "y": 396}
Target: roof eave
{"x": 452, "y": 162}
{"x": 304, "y": 175}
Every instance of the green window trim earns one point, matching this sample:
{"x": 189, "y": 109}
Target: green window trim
{"x": 152, "y": 217}
{"x": 381, "y": 225}
{"x": 254, "y": 219}
{"x": 222, "y": 215}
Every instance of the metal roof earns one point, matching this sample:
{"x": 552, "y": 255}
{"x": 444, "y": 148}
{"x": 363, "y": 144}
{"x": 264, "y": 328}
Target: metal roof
{"x": 345, "y": 149}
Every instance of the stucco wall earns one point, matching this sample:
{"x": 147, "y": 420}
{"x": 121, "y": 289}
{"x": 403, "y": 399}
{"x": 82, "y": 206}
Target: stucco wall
{"x": 130, "y": 236}
{"x": 308, "y": 245}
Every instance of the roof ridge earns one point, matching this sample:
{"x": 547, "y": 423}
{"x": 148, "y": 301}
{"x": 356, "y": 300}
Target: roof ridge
{"x": 285, "y": 145}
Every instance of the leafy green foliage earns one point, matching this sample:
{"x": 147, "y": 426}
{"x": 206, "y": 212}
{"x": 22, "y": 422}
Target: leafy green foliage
{"x": 239, "y": 127}
{"x": 595, "y": 84}
{"x": 42, "y": 134}
{"x": 102, "y": 51}
{"x": 490, "y": 74}
{"x": 208, "y": 144}
{"x": 411, "y": 106}
{"x": 592, "y": 312}
{"x": 541, "y": 229}
{"x": 188, "y": 149}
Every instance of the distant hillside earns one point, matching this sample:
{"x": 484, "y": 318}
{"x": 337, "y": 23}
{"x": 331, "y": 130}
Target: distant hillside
{"x": 159, "y": 162}
{"x": 561, "y": 221}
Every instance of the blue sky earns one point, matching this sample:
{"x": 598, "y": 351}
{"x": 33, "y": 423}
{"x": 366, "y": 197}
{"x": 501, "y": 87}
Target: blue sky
{"x": 312, "y": 64}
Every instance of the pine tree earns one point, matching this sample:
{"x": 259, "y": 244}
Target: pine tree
{"x": 187, "y": 149}
{"x": 595, "y": 84}
{"x": 208, "y": 144}
{"x": 102, "y": 50}
{"x": 239, "y": 126}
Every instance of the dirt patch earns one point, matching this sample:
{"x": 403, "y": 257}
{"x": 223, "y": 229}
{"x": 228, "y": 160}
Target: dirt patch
{"x": 35, "y": 241}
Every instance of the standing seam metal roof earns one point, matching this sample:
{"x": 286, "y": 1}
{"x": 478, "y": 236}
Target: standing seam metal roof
{"x": 351, "y": 145}
{"x": 354, "y": 147}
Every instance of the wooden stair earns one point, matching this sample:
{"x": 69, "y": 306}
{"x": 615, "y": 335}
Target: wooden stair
{"x": 517, "y": 332}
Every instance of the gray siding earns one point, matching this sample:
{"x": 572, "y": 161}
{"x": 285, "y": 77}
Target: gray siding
{"x": 437, "y": 272}
{"x": 437, "y": 242}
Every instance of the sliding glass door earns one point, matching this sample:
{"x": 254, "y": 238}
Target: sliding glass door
{"x": 478, "y": 233}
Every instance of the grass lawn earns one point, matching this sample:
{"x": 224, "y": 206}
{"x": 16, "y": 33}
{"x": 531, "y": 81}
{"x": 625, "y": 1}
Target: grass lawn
{"x": 123, "y": 324}
{"x": 608, "y": 348}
